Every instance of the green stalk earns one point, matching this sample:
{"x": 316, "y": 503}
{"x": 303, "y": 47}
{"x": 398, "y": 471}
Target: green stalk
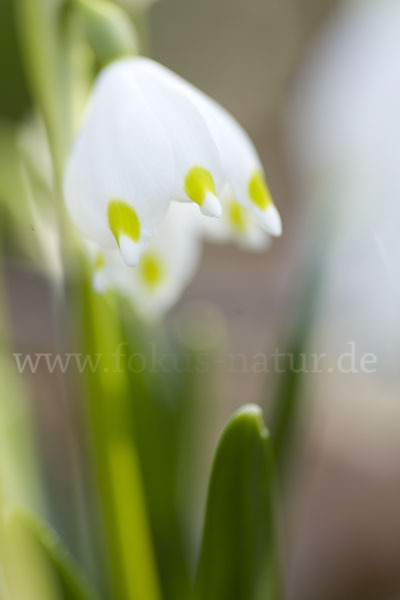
{"x": 134, "y": 573}
{"x": 50, "y": 41}
{"x": 45, "y": 37}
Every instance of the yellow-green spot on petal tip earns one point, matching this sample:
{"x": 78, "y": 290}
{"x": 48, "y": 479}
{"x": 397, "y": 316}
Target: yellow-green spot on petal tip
{"x": 123, "y": 220}
{"x": 151, "y": 270}
{"x": 258, "y": 191}
{"x": 237, "y": 216}
{"x": 99, "y": 262}
{"x": 198, "y": 182}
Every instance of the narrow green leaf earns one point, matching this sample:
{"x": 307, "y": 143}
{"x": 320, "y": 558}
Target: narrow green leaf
{"x": 46, "y": 48}
{"x": 239, "y": 549}
{"x": 124, "y": 509}
{"x": 14, "y": 99}
{"x": 60, "y": 565}
{"x": 163, "y": 402}
{"x": 289, "y": 407}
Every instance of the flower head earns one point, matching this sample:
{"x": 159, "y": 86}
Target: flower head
{"x": 150, "y": 138}
{"x": 240, "y": 163}
{"x": 165, "y": 267}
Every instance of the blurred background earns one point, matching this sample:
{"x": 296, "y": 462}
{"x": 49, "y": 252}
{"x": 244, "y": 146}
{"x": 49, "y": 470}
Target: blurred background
{"x": 295, "y": 73}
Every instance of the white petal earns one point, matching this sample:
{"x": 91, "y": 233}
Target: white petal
{"x": 193, "y": 146}
{"x": 237, "y": 225}
{"x": 271, "y": 220}
{"x": 239, "y": 159}
{"x": 211, "y": 206}
{"x": 240, "y": 162}
{"x": 130, "y": 250}
{"x": 176, "y": 249}
{"x": 100, "y": 281}
{"x": 123, "y": 154}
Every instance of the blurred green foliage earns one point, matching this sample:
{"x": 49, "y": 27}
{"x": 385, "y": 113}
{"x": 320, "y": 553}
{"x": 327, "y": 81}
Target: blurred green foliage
{"x": 239, "y": 556}
{"x": 139, "y": 449}
{"x": 109, "y": 29}
{"x": 15, "y": 98}
{"x": 69, "y": 582}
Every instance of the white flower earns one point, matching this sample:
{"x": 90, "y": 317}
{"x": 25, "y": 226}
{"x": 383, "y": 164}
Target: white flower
{"x": 150, "y": 138}
{"x": 241, "y": 165}
{"x": 345, "y": 132}
{"x": 165, "y": 268}
{"x": 121, "y": 170}
{"x": 199, "y": 176}
{"x": 237, "y": 224}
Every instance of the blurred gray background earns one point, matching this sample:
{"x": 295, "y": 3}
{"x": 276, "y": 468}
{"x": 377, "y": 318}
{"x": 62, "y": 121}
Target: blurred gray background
{"x": 343, "y": 532}
{"x": 343, "y": 522}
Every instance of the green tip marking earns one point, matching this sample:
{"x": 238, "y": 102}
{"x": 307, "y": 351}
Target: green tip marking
{"x": 123, "y": 220}
{"x": 258, "y": 191}
{"x": 151, "y": 270}
{"x": 198, "y": 182}
{"x": 237, "y": 216}
{"x": 99, "y": 262}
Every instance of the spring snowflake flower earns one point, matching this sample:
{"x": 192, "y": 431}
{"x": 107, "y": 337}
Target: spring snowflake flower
{"x": 165, "y": 268}
{"x": 150, "y": 138}
{"x": 237, "y": 224}
{"x": 241, "y": 165}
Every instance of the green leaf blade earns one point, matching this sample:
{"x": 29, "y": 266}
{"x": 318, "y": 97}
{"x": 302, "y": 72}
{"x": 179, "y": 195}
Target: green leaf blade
{"x": 239, "y": 556}
{"x": 59, "y": 564}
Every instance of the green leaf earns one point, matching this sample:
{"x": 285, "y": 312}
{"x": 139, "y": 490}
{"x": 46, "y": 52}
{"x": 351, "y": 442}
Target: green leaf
{"x": 289, "y": 407}
{"x": 14, "y": 99}
{"x": 239, "y": 549}
{"x": 49, "y": 41}
{"x": 60, "y": 565}
{"x": 162, "y": 402}
{"x": 117, "y": 468}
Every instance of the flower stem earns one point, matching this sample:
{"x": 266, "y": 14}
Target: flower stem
{"x": 46, "y": 44}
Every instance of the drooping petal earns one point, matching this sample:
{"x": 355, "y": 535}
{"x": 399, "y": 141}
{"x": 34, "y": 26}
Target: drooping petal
{"x": 164, "y": 270}
{"x": 237, "y": 225}
{"x": 239, "y": 159}
{"x": 120, "y": 175}
{"x": 241, "y": 164}
{"x": 149, "y": 138}
{"x": 199, "y": 172}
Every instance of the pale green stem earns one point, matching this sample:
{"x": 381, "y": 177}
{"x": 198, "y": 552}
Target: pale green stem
{"x": 44, "y": 34}
{"x": 49, "y": 40}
